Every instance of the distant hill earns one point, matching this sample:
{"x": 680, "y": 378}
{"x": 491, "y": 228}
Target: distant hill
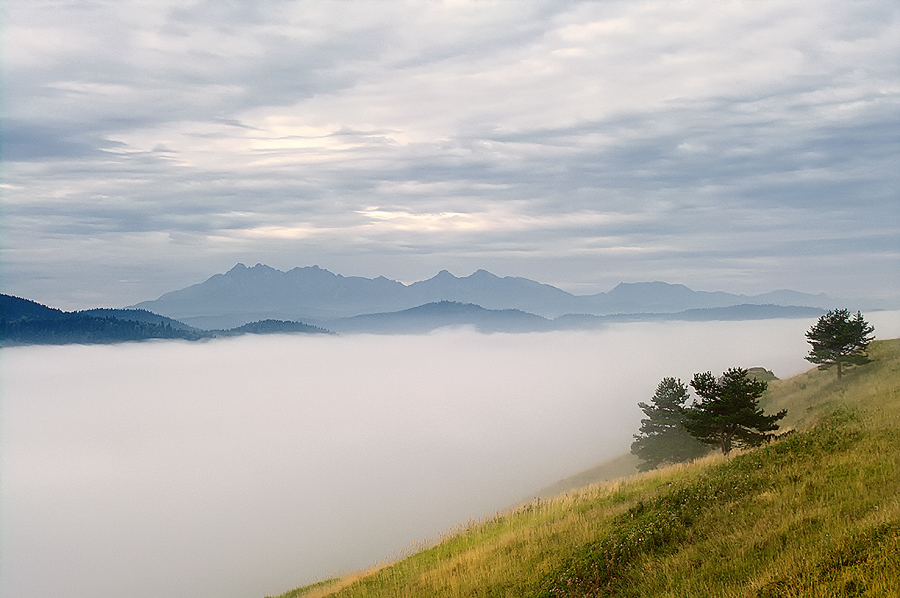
{"x": 709, "y": 314}
{"x": 442, "y": 314}
{"x": 493, "y": 292}
{"x": 311, "y": 293}
{"x": 745, "y": 312}
{"x": 16, "y": 308}
{"x": 274, "y": 327}
{"x": 84, "y": 329}
{"x": 26, "y": 322}
{"x": 137, "y": 315}
{"x": 23, "y": 321}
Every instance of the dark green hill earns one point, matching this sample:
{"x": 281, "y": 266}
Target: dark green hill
{"x": 26, "y": 322}
{"x": 274, "y": 327}
{"x": 84, "y": 329}
{"x": 16, "y": 308}
{"x": 136, "y": 315}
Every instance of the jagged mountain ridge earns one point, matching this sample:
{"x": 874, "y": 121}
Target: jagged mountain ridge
{"x": 311, "y": 293}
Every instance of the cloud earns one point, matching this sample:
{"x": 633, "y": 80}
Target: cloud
{"x": 480, "y": 131}
{"x": 248, "y": 466}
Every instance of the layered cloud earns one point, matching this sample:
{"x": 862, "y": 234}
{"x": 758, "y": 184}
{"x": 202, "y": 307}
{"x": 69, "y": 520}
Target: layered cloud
{"x": 744, "y": 146}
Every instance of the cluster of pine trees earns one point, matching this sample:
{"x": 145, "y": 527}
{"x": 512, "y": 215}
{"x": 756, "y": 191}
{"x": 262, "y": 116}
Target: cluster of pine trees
{"x": 87, "y": 329}
{"x": 26, "y": 322}
{"x": 727, "y": 413}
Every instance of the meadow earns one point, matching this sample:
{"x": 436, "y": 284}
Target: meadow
{"x": 815, "y": 513}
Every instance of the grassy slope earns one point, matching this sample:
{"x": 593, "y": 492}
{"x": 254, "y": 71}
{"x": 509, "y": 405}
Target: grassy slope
{"x": 814, "y": 514}
{"x": 617, "y": 467}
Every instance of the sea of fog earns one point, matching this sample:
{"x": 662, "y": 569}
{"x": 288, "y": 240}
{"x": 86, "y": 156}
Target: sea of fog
{"x": 244, "y": 467}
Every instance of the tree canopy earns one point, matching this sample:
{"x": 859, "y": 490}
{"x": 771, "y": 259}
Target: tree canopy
{"x": 837, "y": 338}
{"x": 728, "y": 414}
{"x": 662, "y": 437}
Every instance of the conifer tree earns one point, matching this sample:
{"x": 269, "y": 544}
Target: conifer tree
{"x": 728, "y": 413}
{"x": 663, "y": 438}
{"x": 838, "y": 339}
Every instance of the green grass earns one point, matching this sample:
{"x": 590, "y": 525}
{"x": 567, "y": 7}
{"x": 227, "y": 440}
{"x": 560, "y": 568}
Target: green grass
{"x": 617, "y": 467}
{"x": 816, "y": 513}
{"x": 310, "y": 589}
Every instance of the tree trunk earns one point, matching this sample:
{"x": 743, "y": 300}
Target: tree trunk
{"x": 725, "y": 440}
{"x": 838, "y": 361}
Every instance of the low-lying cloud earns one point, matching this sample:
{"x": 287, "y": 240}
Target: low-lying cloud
{"x": 244, "y": 467}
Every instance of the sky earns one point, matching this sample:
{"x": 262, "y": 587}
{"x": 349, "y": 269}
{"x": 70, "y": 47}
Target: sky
{"x": 737, "y": 146}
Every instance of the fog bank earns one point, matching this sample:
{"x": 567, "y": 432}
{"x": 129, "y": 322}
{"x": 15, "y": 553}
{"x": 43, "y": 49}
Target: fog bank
{"x": 245, "y": 467}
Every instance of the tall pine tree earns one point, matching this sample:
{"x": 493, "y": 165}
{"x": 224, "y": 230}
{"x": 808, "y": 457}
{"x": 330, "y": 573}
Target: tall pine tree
{"x": 663, "y": 438}
{"x": 838, "y": 339}
{"x": 728, "y": 413}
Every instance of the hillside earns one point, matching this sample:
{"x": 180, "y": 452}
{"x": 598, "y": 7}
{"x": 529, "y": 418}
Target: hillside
{"x": 816, "y": 513}
{"x": 26, "y": 322}
{"x": 17, "y": 308}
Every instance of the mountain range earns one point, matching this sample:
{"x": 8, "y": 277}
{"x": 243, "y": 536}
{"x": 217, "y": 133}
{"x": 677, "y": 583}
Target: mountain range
{"x": 263, "y": 300}
{"x": 315, "y": 295}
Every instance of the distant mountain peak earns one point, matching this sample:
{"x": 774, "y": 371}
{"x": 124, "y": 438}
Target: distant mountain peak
{"x": 312, "y": 293}
{"x": 651, "y": 284}
{"x": 483, "y": 274}
{"x": 314, "y": 269}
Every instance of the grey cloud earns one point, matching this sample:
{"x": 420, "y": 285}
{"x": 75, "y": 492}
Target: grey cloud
{"x": 94, "y": 138}
{"x": 149, "y": 87}
{"x": 24, "y": 141}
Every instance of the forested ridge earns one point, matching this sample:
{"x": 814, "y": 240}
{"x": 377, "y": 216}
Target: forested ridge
{"x": 26, "y": 322}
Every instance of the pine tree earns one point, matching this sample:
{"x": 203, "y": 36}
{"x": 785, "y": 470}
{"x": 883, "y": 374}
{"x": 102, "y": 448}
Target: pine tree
{"x": 728, "y": 413}
{"x": 662, "y": 438}
{"x": 838, "y": 339}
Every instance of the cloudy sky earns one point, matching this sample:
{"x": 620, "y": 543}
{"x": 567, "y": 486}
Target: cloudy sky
{"x": 741, "y": 146}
